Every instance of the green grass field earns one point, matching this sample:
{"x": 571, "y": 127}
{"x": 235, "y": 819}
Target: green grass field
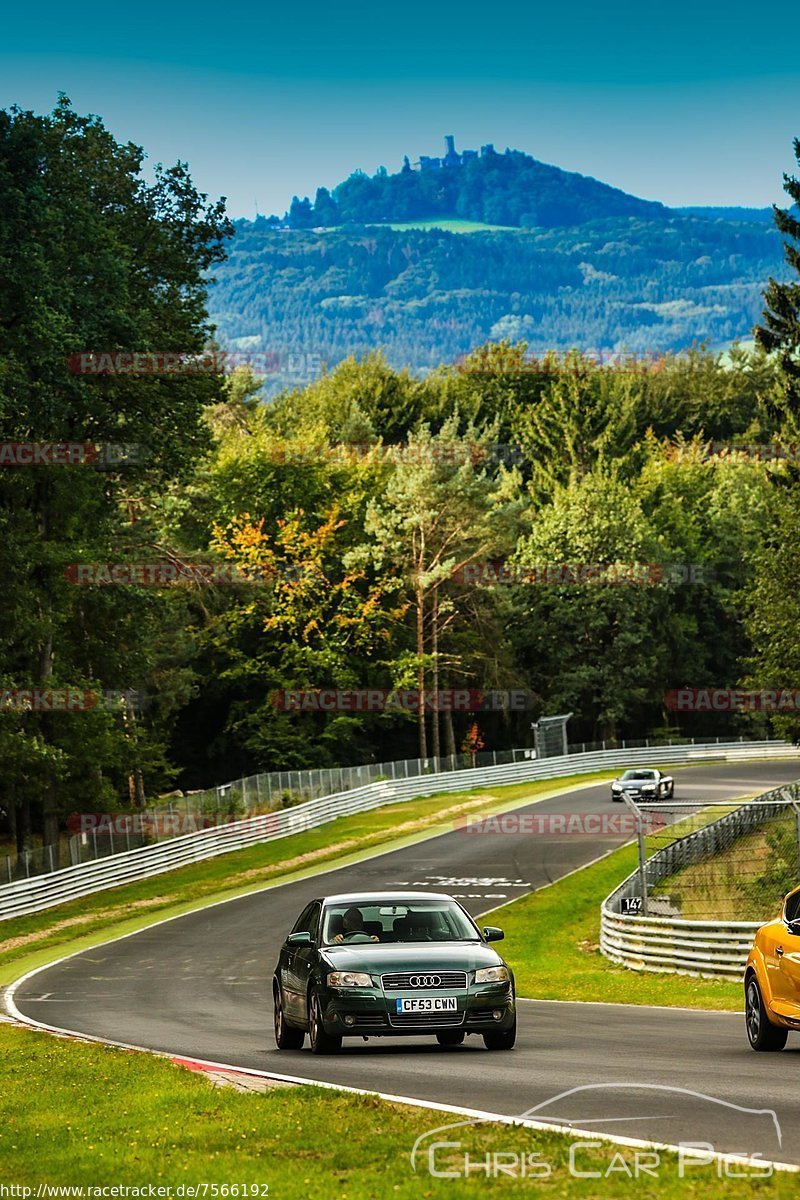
{"x": 549, "y": 964}
{"x": 746, "y": 881}
{"x": 73, "y": 1114}
{"x": 552, "y": 941}
{"x": 453, "y": 225}
{"x": 553, "y": 935}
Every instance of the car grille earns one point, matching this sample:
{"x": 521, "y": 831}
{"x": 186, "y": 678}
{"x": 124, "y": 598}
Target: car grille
{"x": 409, "y": 1020}
{"x": 401, "y": 980}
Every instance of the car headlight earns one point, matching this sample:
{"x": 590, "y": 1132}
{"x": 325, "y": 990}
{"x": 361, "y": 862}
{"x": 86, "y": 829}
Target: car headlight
{"x": 492, "y": 975}
{"x": 648, "y": 787}
{"x": 616, "y": 787}
{"x": 349, "y": 979}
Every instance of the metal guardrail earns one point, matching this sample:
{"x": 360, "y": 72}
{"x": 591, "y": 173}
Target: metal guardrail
{"x": 235, "y": 800}
{"x": 682, "y": 945}
{"x": 99, "y": 835}
{"x": 45, "y": 891}
{"x": 705, "y": 948}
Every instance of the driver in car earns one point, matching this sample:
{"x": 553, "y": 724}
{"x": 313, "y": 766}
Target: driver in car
{"x": 353, "y": 924}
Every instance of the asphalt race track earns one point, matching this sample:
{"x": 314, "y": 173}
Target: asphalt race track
{"x": 199, "y": 986}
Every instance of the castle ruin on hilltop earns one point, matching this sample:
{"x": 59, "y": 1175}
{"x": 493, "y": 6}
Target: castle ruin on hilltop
{"x": 452, "y": 157}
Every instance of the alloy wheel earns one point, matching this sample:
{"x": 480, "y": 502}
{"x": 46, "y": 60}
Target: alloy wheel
{"x": 753, "y": 1014}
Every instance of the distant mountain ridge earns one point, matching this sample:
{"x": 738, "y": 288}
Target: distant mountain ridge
{"x": 525, "y": 251}
{"x": 727, "y": 212}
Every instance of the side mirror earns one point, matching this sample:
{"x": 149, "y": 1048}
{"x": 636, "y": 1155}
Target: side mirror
{"x": 492, "y": 934}
{"x": 299, "y": 939}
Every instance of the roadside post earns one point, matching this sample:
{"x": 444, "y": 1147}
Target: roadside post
{"x": 634, "y": 808}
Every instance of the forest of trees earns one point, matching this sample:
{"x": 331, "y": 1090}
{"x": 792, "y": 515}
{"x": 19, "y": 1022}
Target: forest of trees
{"x": 356, "y": 515}
{"x": 428, "y": 297}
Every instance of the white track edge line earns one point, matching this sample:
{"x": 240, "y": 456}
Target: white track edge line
{"x": 10, "y": 990}
{"x": 389, "y": 1097}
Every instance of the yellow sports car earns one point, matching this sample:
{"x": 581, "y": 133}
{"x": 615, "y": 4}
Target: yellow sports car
{"x": 772, "y": 979}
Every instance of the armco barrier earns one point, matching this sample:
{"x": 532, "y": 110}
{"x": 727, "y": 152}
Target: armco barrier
{"x": 70, "y": 883}
{"x": 672, "y": 945}
{"x": 677, "y": 944}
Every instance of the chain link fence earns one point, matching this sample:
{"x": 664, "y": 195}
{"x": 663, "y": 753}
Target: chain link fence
{"x": 93, "y": 836}
{"x": 718, "y": 861}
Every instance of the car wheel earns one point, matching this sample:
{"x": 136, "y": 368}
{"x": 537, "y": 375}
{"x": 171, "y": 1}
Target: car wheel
{"x": 321, "y": 1042}
{"x": 671, "y": 791}
{"x": 450, "y": 1037}
{"x": 286, "y": 1037}
{"x": 761, "y": 1033}
{"x": 503, "y": 1039}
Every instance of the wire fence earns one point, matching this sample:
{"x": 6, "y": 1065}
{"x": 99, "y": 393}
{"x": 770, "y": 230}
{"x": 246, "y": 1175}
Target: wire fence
{"x": 92, "y": 836}
{"x": 70, "y": 882}
{"x": 706, "y": 862}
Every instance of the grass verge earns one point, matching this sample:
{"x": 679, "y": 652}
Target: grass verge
{"x": 553, "y": 942}
{"x": 88, "y": 1116}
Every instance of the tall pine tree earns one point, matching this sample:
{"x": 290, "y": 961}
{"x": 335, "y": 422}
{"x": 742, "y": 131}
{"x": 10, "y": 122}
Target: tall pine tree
{"x": 781, "y": 328}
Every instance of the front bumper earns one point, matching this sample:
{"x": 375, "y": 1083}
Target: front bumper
{"x": 371, "y": 1012}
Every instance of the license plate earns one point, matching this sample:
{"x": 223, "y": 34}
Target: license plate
{"x": 421, "y": 1004}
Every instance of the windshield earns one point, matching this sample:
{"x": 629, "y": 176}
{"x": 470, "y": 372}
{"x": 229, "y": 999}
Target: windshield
{"x": 639, "y": 775}
{"x": 417, "y": 921}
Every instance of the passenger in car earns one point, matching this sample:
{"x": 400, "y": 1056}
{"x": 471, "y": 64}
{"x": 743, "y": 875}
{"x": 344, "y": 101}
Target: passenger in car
{"x": 424, "y": 926}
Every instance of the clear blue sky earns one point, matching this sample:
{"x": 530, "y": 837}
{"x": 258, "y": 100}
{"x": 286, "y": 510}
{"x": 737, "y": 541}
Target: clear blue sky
{"x": 689, "y": 103}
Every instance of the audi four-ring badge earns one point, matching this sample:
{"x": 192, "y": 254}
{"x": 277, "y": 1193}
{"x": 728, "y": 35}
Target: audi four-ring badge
{"x": 391, "y": 964}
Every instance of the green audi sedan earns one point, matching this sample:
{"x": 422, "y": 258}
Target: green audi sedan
{"x": 391, "y": 964}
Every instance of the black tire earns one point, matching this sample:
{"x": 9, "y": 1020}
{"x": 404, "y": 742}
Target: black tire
{"x": 671, "y": 791}
{"x": 503, "y": 1039}
{"x": 321, "y": 1042}
{"x": 761, "y": 1033}
{"x": 450, "y": 1037}
{"x": 286, "y": 1037}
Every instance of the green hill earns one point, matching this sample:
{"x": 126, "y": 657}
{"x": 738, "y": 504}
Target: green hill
{"x": 508, "y": 189}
